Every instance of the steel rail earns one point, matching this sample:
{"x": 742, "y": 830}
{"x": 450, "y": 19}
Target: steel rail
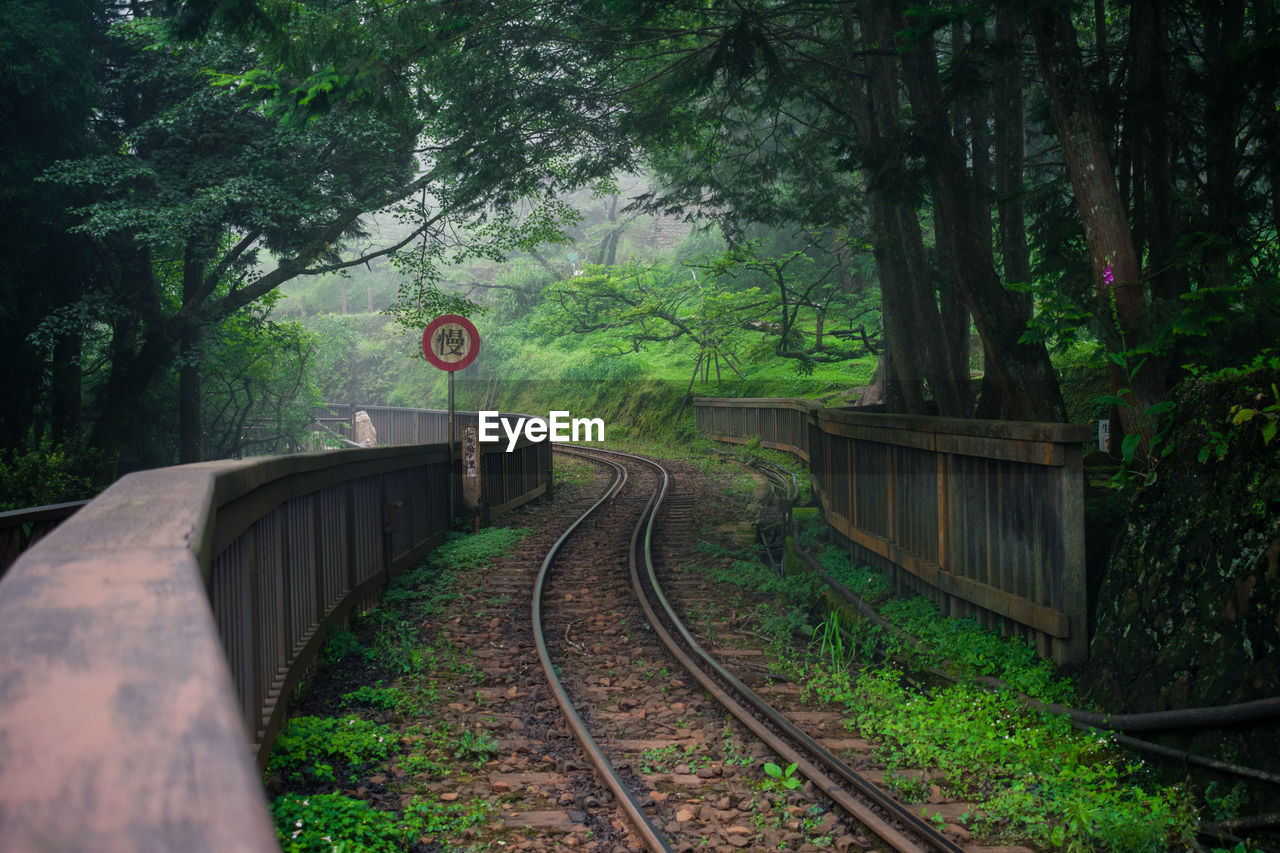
{"x": 840, "y": 795}
{"x": 653, "y": 839}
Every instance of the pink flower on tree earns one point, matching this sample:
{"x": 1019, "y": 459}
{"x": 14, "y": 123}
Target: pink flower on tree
{"x": 1108, "y": 276}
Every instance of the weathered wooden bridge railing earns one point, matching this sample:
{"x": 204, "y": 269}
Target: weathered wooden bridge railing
{"x": 505, "y": 480}
{"x": 147, "y": 637}
{"x": 781, "y": 423}
{"x": 402, "y": 426}
{"x": 22, "y": 528}
{"x": 984, "y": 517}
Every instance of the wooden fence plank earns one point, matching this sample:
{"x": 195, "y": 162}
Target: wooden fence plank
{"x": 986, "y": 517}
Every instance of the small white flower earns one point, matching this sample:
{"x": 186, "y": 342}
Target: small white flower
{"x": 299, "y": 823}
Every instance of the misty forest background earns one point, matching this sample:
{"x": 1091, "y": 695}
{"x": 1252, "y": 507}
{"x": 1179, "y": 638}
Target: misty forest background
{"x": 219, "y": 214}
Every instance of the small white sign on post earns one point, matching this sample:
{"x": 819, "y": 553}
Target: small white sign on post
{"x": 1104, "y": 435}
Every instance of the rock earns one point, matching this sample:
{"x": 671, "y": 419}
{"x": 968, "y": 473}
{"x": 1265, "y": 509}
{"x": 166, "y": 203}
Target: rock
{"x": 1198, "y": 550}
{"x": 449, "y": 796}
{"x": 362, "y": 429}
{"x": 684, "y": 815}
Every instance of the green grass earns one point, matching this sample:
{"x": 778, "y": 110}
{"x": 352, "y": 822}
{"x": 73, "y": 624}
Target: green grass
{"x": 1031, "y": 776}
{"x": 338, "y": 752}
{"x": 323, "y": 823}
{"x": 961, "y": 645}
{"x": 329, "y": 749}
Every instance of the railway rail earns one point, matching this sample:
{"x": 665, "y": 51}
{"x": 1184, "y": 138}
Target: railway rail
{"x": 634, "y": 513}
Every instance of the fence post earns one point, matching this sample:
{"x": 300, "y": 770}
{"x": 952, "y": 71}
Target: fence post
{"x": 1074, "y": 649}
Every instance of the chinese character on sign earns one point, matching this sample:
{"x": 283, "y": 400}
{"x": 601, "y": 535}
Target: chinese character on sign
{"x": 450, "y": 341}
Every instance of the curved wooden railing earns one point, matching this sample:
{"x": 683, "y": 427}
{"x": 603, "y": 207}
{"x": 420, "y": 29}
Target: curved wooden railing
{"x": 781, "y": 423}
{"x": 984, "y": 517}
{"x": 22, "y": 528}
{"x": 150, "y": 635}
{"x": 396, "y": 425}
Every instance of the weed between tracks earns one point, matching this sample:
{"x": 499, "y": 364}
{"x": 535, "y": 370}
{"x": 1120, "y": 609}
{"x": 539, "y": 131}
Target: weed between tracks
{"x": 1031, "y": 778}
{"x": 390, "y": 744}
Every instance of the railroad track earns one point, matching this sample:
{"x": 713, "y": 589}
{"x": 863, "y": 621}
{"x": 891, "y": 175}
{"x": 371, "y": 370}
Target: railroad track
{"x": 581, "y": 571}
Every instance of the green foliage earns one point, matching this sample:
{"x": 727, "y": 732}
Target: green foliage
{"x": 962, "y": 645}
{"x": 475, "y": 744}
{"x": 832, "y": 647}
{"x": 1260, "y": 417}
{"x": 434, "y": 818}
{"x": 329, "y": 749}
{"x": 470, "y": 551}
{"x": 666, "y": 759}
{"x": 373, "y": 698}
{"x": 871, "y": 585}
{"x": 1153, "y": 432}
{"x": 49, "y": 474}
{"x": 339, "y": 645}
{"x": 1032, "y": 776}
{"x": 780, "y": 779}
{"x": 323, "y": 823}
{"x": 258, "y": 385}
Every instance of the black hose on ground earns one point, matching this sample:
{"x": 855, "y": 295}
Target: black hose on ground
{"x": 1252, "y": 823}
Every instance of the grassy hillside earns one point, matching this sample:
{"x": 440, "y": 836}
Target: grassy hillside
{"x": 368, "y": 359}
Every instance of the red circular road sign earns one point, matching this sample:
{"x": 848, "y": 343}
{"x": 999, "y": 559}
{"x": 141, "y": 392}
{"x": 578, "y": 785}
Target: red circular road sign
{"x": 450, "y": 342}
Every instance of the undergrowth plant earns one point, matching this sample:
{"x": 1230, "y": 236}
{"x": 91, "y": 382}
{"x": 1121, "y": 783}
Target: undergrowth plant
{"x": 832, "y": 647}
{"x": 324, "y": 823}
{"x": 781, "y": 778}
{"x": 329, "y": 749}
{"x": 1031, "y": 775}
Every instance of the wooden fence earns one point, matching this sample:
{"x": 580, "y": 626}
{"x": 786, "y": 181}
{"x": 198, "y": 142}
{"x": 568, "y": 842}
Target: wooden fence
{"x": 984, "y": 517}
{"x": 22, "y": 528}
{"x": 396, "y": 426}
{"x": 143, "y": 640}
{"x": 780, "y": 423}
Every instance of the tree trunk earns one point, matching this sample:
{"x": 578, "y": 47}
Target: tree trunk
{"x": 1106, "y": 227}
{"x": 189, "y": 367}
{"x": 1010, "y": 150}
{"x": 1028, "y": 386}
{"x": 68, "y": 375}
{"x": 1224, "y": 28}
{"x": 67, "y": 386}
{"x": 955, "y": 318}
{"x": 911, "y": 318}
{"x": 609, "y": 247}
{"x": 1147, "y": 139}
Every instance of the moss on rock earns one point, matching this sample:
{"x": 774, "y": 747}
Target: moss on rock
{"x": 1189, "y": 610}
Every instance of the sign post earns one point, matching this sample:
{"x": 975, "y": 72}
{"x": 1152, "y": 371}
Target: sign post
{"x": 451, "y": 342}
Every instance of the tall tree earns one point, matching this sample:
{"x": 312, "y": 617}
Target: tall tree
{"x": 1021, "y": 370}
{"x": 46, "y": 49}
{"x": 1114, "y": 261}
